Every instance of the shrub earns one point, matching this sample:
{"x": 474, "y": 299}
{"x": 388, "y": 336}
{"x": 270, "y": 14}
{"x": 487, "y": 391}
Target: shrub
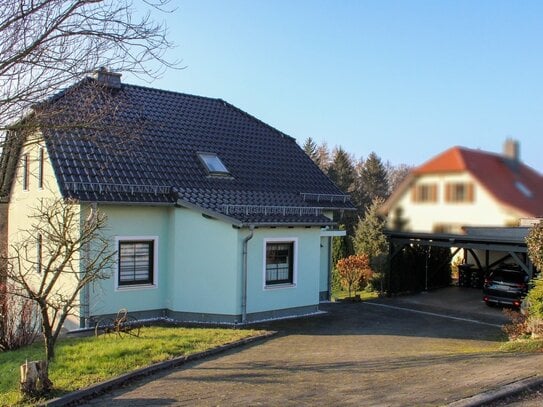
{"x": 354, "y": 272}
{"x": 534, "y": 299}
{"x": 18, "y": 321}
{"x": 518, "y": 327}
{"x": 336, "y": 280}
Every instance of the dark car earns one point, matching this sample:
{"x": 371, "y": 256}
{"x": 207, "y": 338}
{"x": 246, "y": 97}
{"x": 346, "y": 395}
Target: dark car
{"x": 506, "y": 285}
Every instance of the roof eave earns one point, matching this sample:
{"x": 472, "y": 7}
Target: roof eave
{"x": 287, "y": 224}
{"x": 209, "y": 212}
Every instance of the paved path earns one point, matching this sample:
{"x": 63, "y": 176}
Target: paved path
{"x": 357, "y": 354}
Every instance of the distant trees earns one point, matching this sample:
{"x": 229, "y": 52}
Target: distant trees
{"x": 373, "y": 181}
{"x": 364, "y": 180}
{"x": 396, "y": 174}
{"x": 310, "y": 148}
{"x": 369, "y": 182}
{"x": 341, "y": 170}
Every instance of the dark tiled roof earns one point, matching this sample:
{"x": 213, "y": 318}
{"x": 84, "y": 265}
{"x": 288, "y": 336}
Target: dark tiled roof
{"x": 160, "y": 163}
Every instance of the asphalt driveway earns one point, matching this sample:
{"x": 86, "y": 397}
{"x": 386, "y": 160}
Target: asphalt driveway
{"x": 390, "y": 352}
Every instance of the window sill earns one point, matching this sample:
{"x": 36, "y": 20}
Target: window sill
{"x": 279, "y": 286}
{"x": 135, "y": 287}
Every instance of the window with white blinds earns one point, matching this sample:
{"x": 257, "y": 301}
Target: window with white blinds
{"x": 136, "y": 262}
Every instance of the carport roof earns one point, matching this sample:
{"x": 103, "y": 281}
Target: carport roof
{"x": 498, "y": 242}
{"x": 514, "y": 244}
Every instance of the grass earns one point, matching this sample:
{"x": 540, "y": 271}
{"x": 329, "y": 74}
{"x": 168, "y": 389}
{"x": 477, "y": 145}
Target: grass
{"x": 528, "y": 345}
{"x": 362, "y": 294}
{"x": 80, "y": 362}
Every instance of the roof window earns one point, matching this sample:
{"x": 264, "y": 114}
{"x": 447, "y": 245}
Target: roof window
{"x": 213, "y": 164}
{"x": 524, "y": 189}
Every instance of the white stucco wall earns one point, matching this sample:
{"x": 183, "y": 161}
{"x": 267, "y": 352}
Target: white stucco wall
{"x": 424, "y": 216}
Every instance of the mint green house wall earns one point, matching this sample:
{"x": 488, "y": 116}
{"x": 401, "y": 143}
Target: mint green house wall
{"x": 199, "y": 268}
{"x": 205, "y": 266}
{"x": 144, "y": 221}
{"x": 304, "y": 293}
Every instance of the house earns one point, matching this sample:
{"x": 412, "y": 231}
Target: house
{"x": 465, "y": 187}
{"x": 225, "y": 218}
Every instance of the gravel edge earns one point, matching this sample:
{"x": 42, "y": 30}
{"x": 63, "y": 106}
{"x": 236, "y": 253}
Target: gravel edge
{"x": 490, "y": 396}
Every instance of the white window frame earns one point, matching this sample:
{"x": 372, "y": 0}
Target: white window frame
{"x": 294, "y": 241}
{"x": 210, "y": 159}
{"x": 129, "y": 287}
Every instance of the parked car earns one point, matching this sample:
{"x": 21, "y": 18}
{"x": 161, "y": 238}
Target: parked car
{"x": 506, "y": 285}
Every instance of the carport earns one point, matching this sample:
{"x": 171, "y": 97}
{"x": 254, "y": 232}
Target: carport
{"x": 508, "y": 243}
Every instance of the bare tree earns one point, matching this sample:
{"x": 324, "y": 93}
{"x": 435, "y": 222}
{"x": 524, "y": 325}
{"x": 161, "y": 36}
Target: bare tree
{"x": 396, "y": 174}
{"x": 46, "y": 45}
{"x": 51, "y": 262}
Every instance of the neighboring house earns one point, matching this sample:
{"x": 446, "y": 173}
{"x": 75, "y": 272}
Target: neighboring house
{"x": 464, "y": 187}
{"x": 202, "y": 195}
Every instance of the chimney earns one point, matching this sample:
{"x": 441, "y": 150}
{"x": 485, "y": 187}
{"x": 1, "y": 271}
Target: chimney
{"x": 511, "y": 150}
{"x": 108, "y": 78}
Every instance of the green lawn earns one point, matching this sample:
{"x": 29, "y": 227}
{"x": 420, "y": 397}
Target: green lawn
{"x": 362, "y": 294}
{"x": 524, "y": 345}
{"x": 80, "y": 362}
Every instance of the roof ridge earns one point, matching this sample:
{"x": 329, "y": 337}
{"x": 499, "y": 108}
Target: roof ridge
{"x": 459, "y": 150}
{"x": 174, "y": 92}
{"x": 243, "y": 112}
{"x": 226, "y": 103}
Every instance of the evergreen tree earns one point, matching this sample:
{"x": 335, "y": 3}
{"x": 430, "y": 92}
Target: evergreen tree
{"x": 358, "y": 194}
{"x": 310, "y": 148}
{"x": 342, "y": 246}
{"x": 369, "y": 238}
{"x": 341, "y": 170}
{"x": 373, "y": 181}
{"x": 342, "y": 173}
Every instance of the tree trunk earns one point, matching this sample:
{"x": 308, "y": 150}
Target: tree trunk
{"x": 47, "y": 331}
{"x": 49, "y": 348}
{"x": 35, "y": 378}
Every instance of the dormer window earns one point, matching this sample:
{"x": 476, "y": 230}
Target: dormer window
{"x": 213, "y": 164}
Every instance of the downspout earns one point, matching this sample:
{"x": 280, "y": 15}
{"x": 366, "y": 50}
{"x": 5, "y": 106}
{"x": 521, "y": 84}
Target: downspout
{"x": 244, "y": 275}
{"x": 330, "y": 265}
{"x": 85, "y": 323}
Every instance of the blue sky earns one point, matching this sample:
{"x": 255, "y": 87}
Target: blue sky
{"x": 405, "y": 79}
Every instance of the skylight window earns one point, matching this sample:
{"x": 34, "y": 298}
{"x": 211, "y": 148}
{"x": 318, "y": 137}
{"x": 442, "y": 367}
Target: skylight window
{"x": 213, "y": 164}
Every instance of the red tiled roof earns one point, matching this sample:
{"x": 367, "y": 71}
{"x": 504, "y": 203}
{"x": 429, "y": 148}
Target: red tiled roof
{"x": 512, "y": 183}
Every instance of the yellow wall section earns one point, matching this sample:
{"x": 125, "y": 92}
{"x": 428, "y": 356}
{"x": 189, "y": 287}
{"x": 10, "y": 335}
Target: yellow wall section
{"x": 23, "y": 204}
